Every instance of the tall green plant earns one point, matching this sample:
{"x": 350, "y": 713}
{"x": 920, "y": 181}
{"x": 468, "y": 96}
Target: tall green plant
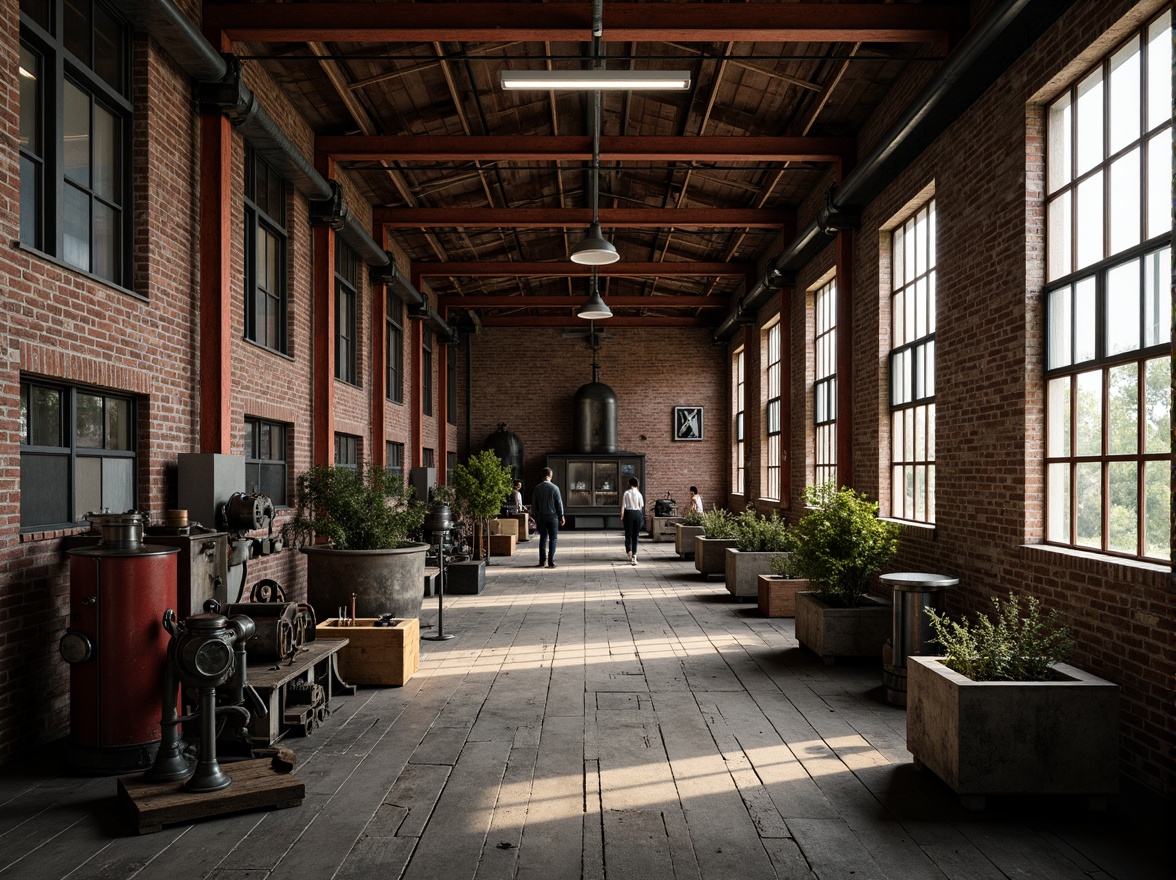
{"x": 760, "y": 534}
{"x": 481, "y": 485}
{"x": 840, "y": 543}
{"x": 1009, "y": 646}
{"x": 353, "y": 509}
{"x": 718, "y": 523}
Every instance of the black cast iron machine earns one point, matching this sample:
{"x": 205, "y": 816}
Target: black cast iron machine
{"x": 206, "y": 653}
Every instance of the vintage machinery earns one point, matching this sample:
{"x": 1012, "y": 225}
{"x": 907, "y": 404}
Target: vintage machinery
{"x": 119, "y": 590}
{"x": 665, "y": 506}
{"x": 282, "y": 627}
{"x": 206, "y": 652}
{"x": 242, "y": 514}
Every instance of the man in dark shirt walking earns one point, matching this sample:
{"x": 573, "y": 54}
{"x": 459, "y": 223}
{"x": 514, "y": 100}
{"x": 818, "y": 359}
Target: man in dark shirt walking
{"x": 547, "y": 509}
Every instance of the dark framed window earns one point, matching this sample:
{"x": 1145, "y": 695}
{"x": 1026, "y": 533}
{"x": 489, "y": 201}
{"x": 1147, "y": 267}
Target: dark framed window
{"x": 266, "y": 297}
{"x": 739, "y": 462}
{"x": 427, "y": 457}
{"x": 426, "y": 371}
{"x": 347, "y": 448}
{"x": 394, "y": 459}
{"x": 773, "y": 440}
{"x": 265, "y": 459}
{"x": 346, "y": 314}
{"x": 825, "y": 384}
{"x": 75, "y": 135}
{"x": 450, "y": 464}
{"x": 451, "y": 384}
{"x": 912, "y": 367}
{"x": 77, "y": 454}
{"x": 1108, "y": 302}
{"x": 394, "y": 348}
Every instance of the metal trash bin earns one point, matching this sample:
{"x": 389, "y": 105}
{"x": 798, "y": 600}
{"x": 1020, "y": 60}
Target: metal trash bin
{"x": 914, "y": 593}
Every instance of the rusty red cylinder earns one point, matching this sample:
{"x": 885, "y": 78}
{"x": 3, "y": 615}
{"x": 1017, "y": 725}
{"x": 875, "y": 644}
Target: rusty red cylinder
{"x": 117, "y": 649}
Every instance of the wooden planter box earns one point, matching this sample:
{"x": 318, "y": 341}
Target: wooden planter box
{"x": 1005, "y": 737}
{"x": 383, "y": 655}
{"x": 504, "y": 526}
{"x": 710, "y": 555}
{"x": 742, "y": 567}
{"x": 503, "y": 545}
{"x": 842, "y": 632}
{"x": 777, "y": 595}
{"x": 684, "y": 540}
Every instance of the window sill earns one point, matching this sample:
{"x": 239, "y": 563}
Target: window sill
{"x": 912, "y": 526}
{"x": 268, "y": 350}
{"x": 52, "y": 534}
{"x": 1075, "y": 559}
{"x": 69, "y": 267}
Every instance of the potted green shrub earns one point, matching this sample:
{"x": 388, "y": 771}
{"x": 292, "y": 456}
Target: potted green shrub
{"x": 839, "y": 545}
{"x": 710, "y": 548}
{"x": 757, "y": 539}
{"x": 355, "y": 528}
{"x": 685, "y": 532}
{"x": 776, "y": 592}
{"x": 480, "y": 487}
{"x": 1001, "y": 713}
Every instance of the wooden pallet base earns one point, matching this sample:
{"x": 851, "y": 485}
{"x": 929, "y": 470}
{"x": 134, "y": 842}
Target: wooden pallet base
{"x": 151, "y": 805}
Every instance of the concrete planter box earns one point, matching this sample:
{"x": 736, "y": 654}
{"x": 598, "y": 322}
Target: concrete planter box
{"x": 661, "y": 526}
{"x": 776, "y": 596}
{"x": 684, "y": 539}
{"x": 710, "y": 555}
{"x": 1007, "y": 737}
{"x": 842, "y": 632}
{"x": 741, "y": 569}
{"x": 383, "y": 581}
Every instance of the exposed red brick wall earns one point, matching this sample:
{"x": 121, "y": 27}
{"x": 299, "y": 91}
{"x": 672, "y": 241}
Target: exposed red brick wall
{"x": 528, "y": 379}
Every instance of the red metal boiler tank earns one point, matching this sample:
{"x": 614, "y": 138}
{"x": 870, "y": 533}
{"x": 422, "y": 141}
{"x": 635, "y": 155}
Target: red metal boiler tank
{"x": 117, "y": 647}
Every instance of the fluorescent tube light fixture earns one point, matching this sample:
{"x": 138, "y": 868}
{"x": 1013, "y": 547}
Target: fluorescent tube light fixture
{"x": 600, "y": 80}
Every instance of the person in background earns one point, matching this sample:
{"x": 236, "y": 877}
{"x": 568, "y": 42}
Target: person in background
{"x": 632, "y": 518}
{"x": 695, "y": 500}
{"x": 516, "y": 497}
{"x": 547, "y": 509}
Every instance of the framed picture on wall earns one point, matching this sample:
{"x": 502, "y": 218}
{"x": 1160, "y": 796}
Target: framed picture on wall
{"x": 688, "y": 423}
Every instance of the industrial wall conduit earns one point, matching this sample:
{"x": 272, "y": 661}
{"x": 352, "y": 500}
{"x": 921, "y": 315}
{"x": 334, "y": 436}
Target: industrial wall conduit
{"x": 983, "y": 55}
{"x": 222, "y": 88}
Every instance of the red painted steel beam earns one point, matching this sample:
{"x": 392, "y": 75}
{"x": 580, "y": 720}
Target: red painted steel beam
{"x": 504, "y": 269}
{"x": 572, "y": 22}
{"x": 556, "y": 218}
{"x": 464, "y": 148}
{"x": 571, "y": 321}
{"x": 514, "y": 301}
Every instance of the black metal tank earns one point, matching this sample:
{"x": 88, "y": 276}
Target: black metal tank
{"x": 509, "y": 449}
{"x": 594, "y": 419}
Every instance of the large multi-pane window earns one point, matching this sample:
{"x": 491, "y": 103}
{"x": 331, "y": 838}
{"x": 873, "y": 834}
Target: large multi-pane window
{"x": 346, "y": 313}
{"x": 347, "y": 448}
{"x": 426, "y": 371}
{"x": 739, "y": 461}
{"x": 265, "y": 254}
{"x": 77, "y": 454}
{"x": 394, "y": 347}
{"x": 912, "y": 367}
{"x": 265, "y": 459}
{"x": 75, "y": 135}
{"x": 394, "y": 459}
{"x": 825, "y": 383}
{"x": 772, "y": 436}
{"x": 451, "y": 383}
{"x": 1108, "y": 302}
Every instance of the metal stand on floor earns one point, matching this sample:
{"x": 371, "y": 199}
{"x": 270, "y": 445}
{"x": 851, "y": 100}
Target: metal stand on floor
{"x": 440, "y": 635}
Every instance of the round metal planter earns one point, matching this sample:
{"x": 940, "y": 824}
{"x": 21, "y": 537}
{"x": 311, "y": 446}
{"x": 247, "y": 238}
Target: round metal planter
{"x": 383, "y": 581}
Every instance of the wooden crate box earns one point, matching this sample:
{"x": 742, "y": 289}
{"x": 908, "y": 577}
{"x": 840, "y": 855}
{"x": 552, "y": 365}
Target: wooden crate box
{"x": 502, "y": 545}
{"x": 383, "y": 655}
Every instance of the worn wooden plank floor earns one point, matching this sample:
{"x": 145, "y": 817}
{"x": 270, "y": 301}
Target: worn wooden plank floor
{"x": 596, "y": 721}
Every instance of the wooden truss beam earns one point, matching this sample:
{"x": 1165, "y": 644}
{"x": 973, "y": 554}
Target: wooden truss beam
{"x": 489, "y": 301}
{"x": 572, "y": 22}
{"x": 623, "y": 269}
{"x": 557, "y": 218}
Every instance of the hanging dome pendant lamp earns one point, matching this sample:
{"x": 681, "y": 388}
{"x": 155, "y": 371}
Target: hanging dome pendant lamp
{"x": 593, "y": 249}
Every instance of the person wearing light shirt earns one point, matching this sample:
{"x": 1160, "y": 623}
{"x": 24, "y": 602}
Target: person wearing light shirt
{"x": 632, "y": 518}
{"x": 695, "y": 500}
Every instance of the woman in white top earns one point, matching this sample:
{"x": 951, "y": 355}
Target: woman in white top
{"x": 632, "y": 518}
{"x": 695, "y": 500}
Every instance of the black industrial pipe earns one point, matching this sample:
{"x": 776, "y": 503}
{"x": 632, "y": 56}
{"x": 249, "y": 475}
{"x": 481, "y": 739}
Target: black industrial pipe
{"x": 223, "y": 88}
{"x": 985, "y": 53}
